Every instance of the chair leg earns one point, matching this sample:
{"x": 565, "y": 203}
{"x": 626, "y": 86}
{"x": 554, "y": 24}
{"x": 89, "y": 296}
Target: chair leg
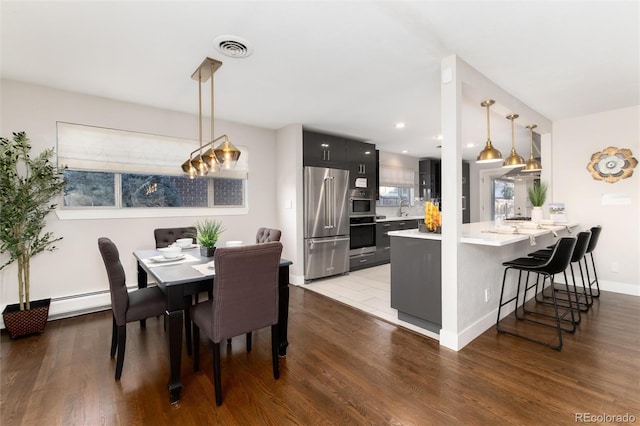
{"x": 196, "y": 348}
{"x": 228, "y": 341}
{"x": 595, "y": 277}
{"x": 249, "y": 342}
{"x": 216, "y": 373}
{"x": 187, "y": 324}
{"x": 114, "y": 337}
{"x": 122, "y": 339}
{"x": 275, "y": 359}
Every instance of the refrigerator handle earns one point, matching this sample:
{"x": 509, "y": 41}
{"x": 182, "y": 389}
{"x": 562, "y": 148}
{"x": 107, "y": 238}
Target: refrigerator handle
{"x": 332, "y": 199}
{"x": 327, "y": 219}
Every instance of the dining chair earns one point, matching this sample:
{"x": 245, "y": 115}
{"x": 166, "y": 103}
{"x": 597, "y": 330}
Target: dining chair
{"x": 126, "y": 306}
{"x": 265, "y": 235}
{"x": 245, "y": 298}
{"x": 167, "y": 236}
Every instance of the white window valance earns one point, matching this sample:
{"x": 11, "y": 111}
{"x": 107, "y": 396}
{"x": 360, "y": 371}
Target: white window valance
{"x": 119, "y": 151}
{"x": 396, "y": 176}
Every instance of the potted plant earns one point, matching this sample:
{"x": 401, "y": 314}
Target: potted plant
{"x": 207, "y": 235}
{"x": 27, "y": 187}
{"x": 537, "y": 196}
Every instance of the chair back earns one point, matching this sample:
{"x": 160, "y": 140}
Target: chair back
{"x": 117, "y": 279}
{"x": 582, "y": 242}
{"x": 561, "y": 256}
{"x": 266, "y": 235}
{"x": 595, "y": 234}
{"x": 167, "y": 236}
{"x": 245, "y": 289}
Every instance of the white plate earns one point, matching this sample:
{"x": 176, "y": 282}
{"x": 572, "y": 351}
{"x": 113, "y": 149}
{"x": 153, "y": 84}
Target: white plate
{"x": 161, "y": 259}
{"x": 192, "y": 246}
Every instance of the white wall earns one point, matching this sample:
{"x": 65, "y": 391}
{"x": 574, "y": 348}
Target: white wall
{"x": 574, "y": 141}
{"x": 76, "y": 267}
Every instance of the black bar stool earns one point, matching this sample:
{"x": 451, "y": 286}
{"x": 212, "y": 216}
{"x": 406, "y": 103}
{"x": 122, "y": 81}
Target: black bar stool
{"x": 556, "y": 263}
{"x": 593, "y": 242}
{"x": 582, "y": 242}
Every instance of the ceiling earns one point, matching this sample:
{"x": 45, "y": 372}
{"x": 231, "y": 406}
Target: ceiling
{"x": 353, "y": 68}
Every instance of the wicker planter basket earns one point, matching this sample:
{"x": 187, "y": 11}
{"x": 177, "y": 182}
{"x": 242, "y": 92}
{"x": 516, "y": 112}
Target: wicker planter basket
{"x": 24, "y": 323}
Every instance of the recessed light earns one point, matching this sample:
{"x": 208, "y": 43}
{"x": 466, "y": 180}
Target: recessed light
{"x": 399, "y": 125}
{"x": 438, "y": 137}
{"x": 469, "y": 145}
{"x": 404, "y": 151}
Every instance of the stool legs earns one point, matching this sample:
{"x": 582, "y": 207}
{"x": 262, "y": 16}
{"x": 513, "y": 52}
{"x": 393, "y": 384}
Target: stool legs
{"x": 595, "y": 277}
{"x": 557, "y": 316}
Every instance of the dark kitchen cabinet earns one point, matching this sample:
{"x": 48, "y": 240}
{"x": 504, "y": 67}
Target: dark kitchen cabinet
{"x": 322, "y": 150}
{"x": 429, "y": 174}
{"x": 361, "y": 157}
{"x": 383, "y": 241}
{"x": 466, "y": 193}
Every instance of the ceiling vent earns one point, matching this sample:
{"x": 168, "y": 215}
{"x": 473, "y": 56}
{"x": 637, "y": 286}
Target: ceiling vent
{"x": 233, "y": 46}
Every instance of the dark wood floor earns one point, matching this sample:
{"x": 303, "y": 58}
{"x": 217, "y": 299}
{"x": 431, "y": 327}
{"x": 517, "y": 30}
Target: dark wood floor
{"x": 342, "y": 367}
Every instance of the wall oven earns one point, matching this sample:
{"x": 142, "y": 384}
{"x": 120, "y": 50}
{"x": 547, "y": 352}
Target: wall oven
{"x": 362, "y": 234}
{"x": 361, "y": 203}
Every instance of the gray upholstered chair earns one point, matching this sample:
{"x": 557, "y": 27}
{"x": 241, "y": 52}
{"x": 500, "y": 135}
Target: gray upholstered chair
{"x": 245, "y": 298}
{"x": 167, "y": 236}
{"x": 266, "y": 235}
{"x": 126, "y": 306}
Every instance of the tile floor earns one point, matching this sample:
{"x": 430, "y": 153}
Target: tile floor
{"x": 368, "y": 290}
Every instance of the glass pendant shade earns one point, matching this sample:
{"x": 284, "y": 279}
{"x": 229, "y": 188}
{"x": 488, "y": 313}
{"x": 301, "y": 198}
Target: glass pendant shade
{"x": 210, "y": 159}
{"x": 227, "y": 154}
{"x": 489, "y": 154}
{"x": 532, "y": 165}
{"x": 513, "y": 160}
{"x": 200, "y": 166}
{"x": 188, "y": 168}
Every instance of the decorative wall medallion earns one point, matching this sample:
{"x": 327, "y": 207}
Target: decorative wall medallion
{"x": 612, "y": 164}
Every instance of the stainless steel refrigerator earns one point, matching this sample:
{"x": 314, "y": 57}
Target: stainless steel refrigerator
{"x": 326, "y": 222}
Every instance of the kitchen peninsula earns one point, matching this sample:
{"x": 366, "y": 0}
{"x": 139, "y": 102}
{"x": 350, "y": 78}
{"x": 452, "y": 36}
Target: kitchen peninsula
{"x": 416, "y": 285}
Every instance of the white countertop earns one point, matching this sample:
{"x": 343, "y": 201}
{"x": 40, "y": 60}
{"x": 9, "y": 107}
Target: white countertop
{"x": 394, "y": 218}
{"x": 486, "y": 234}
{"x": 414, "y": 233}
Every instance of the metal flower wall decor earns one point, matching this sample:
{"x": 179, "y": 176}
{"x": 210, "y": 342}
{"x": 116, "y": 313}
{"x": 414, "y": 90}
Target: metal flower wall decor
{"x": 612, "y": 164}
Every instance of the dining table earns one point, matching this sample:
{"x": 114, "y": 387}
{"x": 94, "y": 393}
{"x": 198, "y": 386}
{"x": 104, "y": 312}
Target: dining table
{"x": 180, "y": 279}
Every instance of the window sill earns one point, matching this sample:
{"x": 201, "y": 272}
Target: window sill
{"x": 133, "y": 213}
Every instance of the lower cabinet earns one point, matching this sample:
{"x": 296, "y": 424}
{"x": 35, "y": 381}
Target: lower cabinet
{"x": 383, "y": 241}
{"x": 416, "y": 277}
{"x": 362, "y": 261}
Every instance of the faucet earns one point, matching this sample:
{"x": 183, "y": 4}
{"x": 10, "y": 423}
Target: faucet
{"x": 402, "y": 213}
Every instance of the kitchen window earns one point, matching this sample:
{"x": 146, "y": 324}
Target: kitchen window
{"x": 113, "y": 173}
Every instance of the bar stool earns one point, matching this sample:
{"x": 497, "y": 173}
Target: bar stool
{"x": 582, "y": 242}
{"x": 556, "y": 263}
{"x": 593, "y": 242}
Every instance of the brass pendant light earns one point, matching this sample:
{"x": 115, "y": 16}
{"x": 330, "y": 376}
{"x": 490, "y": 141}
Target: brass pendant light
{"x": 225, "y": 154}
{"x": 489, "y": 154}
{"x": 513, "y": 160}
{"x": 532, "y": 165}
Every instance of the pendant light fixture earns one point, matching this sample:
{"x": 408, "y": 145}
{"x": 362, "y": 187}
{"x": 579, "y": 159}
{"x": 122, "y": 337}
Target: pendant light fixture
{"x": 532, "y": 165}
{"x": 200, "y": 162}
{"x": 489, "y": 154}
{"x": 513, "y": 160}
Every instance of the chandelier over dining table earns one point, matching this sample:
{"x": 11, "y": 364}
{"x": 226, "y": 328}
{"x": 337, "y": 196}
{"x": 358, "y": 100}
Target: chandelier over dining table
{"x": 208, "y": 157}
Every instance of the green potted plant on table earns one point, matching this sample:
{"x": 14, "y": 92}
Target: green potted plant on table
{"x": 27, "y": 187}
{"x": 207, "y": 235}
{"x": 537, "y": 197}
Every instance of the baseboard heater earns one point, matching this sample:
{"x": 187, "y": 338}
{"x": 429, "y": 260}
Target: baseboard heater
{"x": 78, "y": 304}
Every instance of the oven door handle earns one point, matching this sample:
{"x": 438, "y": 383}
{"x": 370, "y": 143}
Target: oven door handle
{"x": 363, "y": 224}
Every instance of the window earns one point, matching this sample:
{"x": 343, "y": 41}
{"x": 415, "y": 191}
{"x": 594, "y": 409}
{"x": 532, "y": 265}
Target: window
{"x": 395, "y": 196}
{"x": 113, "y": 170}
{"x": 503, "y": 198}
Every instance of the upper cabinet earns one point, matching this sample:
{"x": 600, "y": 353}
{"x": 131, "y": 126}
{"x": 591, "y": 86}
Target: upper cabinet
{"x": 361, "y": 157}
{"x": 324, "y": 150}
{"x": 429, "y": 174}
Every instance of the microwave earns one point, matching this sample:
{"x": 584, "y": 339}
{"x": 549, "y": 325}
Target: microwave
{"x": 361, "y": 203}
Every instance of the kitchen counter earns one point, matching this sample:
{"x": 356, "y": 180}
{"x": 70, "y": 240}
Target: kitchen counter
{"x": 486, "y": 234}
{"x": 394, "y": 218}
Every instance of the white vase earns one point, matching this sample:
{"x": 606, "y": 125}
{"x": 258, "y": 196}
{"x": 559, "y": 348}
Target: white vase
{"x": 537, "y": 215}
